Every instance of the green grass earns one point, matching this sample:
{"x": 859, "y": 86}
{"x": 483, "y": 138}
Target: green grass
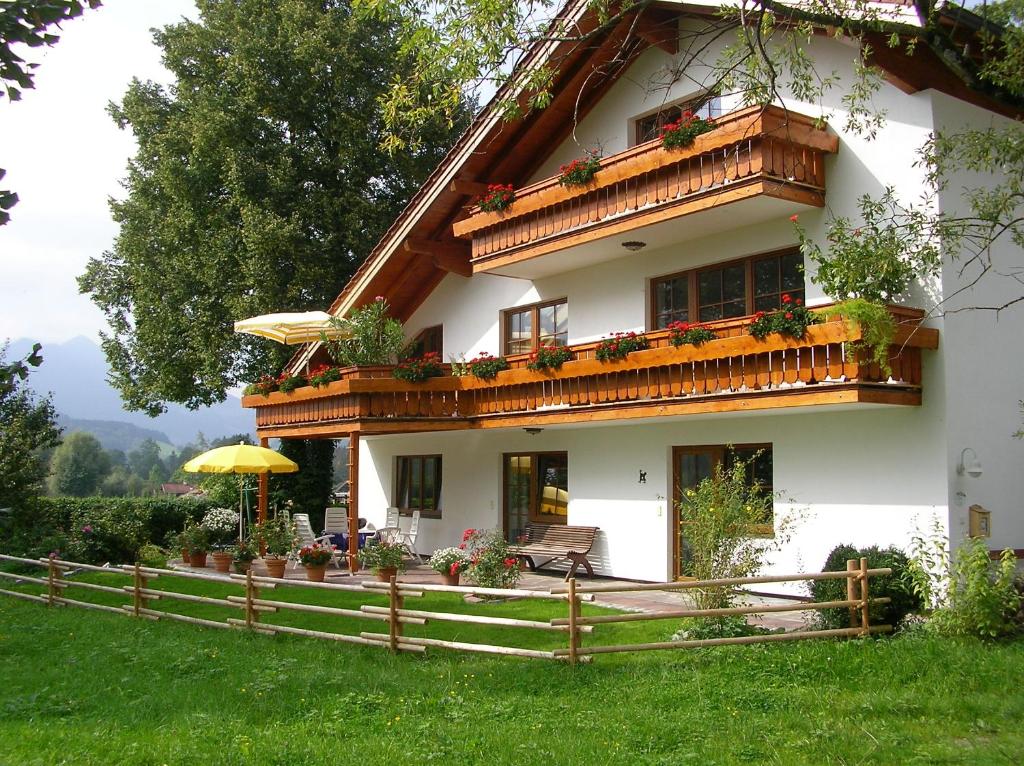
{"x": 81, "y": 687}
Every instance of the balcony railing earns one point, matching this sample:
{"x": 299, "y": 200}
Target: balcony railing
{"x": 736, "y": 372}
{"x": 750, "y": 152}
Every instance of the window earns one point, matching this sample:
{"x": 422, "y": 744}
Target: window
{"x": 536, "y": 489}
{"x": 418, "y": 484}
{"x": 428, "y": 340}
{"x": 726, "y": 291}
{"x": 704, "y": 106}
{"x": 542, "y": 324}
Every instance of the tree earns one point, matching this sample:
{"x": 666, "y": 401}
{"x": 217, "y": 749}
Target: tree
{"x": 78, "y": 466}
{"x": 27, "y": 427}
{"x": 258, "y": 186}
{"x": 28, "y": 23}
{"x": 309, "y": 489}
{"x": 145, "y": 462}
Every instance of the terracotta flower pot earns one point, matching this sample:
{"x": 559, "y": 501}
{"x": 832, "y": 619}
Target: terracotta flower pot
{"x": 184, "y": 555}
{"x": 384, "y": 574}
{"x": 276, "y": 566}
{"x": 315, "y": 572}
{"x": 451, "y": 579}
{"x": 197, "y": 559}
{"x": 222, "y": 561}
{"x": 241, "y": 567}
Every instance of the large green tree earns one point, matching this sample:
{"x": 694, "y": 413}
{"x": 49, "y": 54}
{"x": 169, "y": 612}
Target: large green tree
{"x": 28, "y": 24}
{"x": 27, "y": 428}
{"x": 258, "y": 186}
{"x": 78, "y": 466}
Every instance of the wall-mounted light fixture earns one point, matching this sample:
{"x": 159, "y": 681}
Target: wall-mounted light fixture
{"x": 533, "y": 431}
{"x": 643, "y": 477}
{"x": 633, "y": 245}
{"x": 971, "y": 467}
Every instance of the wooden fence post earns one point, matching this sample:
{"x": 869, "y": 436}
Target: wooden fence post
{"x": 251, "y": 615}
{"x": 852, "y": 591}
{"x": 574, "y": 613}
{"x": 865, "y": 622}
{"x": 137, "y": 585}
{"x": 394, "y": 604}
{"x": 51, "y": 588}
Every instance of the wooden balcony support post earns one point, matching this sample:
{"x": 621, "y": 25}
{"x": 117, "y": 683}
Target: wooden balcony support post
{"x": 264, "y": 485}
{"x": 353, "y": 501}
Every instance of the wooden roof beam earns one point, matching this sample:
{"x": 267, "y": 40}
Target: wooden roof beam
{"x": 448, "y": 256}
{"x": 660, "y": 29}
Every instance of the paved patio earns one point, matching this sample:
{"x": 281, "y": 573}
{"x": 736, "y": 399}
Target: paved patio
{"x": 647, "y": 601}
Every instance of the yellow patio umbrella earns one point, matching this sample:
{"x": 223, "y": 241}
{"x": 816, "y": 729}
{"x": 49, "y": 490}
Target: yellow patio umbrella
{"x": 291, "y": 328}
{"x": 241, "y": 458}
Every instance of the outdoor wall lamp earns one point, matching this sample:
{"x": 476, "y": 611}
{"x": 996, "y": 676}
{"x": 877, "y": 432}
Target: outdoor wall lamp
{"x": 533, "y": 431}
{"x": 634, "y": 244}
{"x": 971, "y": 468}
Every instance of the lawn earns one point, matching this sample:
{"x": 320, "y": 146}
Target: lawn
{"x": 81, "y": 687}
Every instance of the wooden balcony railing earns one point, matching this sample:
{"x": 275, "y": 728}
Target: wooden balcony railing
{"x": 752, "y": 151}
{"x": 736, "y": 372}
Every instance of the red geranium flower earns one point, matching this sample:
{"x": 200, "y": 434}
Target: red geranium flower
{"x": 789, "y": 315}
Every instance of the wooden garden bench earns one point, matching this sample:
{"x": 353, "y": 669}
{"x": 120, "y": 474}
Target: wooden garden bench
{"x": 557, "y": 541}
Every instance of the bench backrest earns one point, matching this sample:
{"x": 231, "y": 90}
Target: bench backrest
{"x": 580, "y": 539}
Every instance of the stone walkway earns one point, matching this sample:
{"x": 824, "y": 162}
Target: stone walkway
{"x": 646, "y": 601}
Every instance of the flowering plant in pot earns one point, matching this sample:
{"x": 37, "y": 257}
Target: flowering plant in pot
{"x": 287, "y": 383}
{"x": 196, "y": 539}
{"x": 243, "y": 553}
{"x": 449, "y": 563}
{"x": 498, "y": 197}
{"x": 619, "y": 345}
{"x": 580, "y": 171}
{"x": 487, "y": 367}
{"x": 682, "y": 132}
{"x": 682, "y": 333}
{"x": 420, "y": 368}
{"x": 278, "y": 535}
{"x": 383, "y": 558}
{"x": 221, "y": 525}
{"x": 315, "y": 559}
{"x": 265, "y": 386}
{"x": 791, "y": 320}
{"x": 492, "y": 564}
{"x": 323, "y": 374}
{"x": 549, "y": 358}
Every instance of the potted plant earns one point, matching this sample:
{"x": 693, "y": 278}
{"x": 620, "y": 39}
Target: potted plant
{"x": 220, "y": 525}
{"x": 498, "y": 197}
{"x": 791, "y": 320}
{"x": 549, "y": 358}
{"x": 180, "y": 540}
{"x": 242, "y": 556}
{"x": 682, "y": 132}
{"x": 487, "y": 367}
{"x": 420, "y": 368}
{"x": 492, "y": 563}
{"x": 449, "y": 563}
{"x": 278, "y": 535}
{"x": 619, "y": 345}
{"x": 315, "y": 559}
{"x": 384, "y": 558}
{"x": 195, "y": 538}
{"x": 580, "y": 171}
{"x": 682, "y": 333}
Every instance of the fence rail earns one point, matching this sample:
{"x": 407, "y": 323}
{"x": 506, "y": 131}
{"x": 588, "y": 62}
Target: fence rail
{"x": 254, "y": 606}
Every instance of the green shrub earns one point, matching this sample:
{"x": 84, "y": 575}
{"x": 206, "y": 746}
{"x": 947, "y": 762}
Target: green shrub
{"x": 895, "y": 586}
{"x": 95, "y": 530}
{"x": 982, "y": 598}
{"x": 152, "y": 556}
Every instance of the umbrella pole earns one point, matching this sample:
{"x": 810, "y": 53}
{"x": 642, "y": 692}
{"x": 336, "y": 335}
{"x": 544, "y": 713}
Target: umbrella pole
{"x": 241, "y": 508}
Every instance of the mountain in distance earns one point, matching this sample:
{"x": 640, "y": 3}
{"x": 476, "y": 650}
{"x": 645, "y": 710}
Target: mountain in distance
{"x": 76, "y": 373}
{"x": 116, "y": 434}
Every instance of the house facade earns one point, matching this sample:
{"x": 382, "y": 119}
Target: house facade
{"x": 851, "y": 453}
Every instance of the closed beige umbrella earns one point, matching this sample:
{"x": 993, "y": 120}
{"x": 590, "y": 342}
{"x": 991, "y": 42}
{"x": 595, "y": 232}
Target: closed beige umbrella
{"x": 291, "y": 328}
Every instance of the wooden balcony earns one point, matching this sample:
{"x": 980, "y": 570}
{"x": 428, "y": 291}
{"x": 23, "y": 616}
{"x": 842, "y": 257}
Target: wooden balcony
{"x": 752, "y": 153}
{"x": 734, "y": 373}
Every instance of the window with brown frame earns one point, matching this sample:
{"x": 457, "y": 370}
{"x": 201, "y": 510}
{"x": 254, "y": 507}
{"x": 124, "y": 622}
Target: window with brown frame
{"x": 418, "y": 485}
{"x": 536, "y": 489}
{"x": 540, "y": 324}
{"x": 428, "y": 340}
{"x": 705, "y": 106}
{"x": 727, "y": 290}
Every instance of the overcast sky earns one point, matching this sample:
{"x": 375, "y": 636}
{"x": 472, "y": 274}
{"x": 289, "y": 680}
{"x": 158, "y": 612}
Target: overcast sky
{"x": 64, "y": 157}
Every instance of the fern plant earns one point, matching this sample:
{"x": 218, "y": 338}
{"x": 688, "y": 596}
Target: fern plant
{"x": 877, "y": 327}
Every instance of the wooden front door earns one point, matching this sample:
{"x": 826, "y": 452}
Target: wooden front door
{"x": 536, "y": 489}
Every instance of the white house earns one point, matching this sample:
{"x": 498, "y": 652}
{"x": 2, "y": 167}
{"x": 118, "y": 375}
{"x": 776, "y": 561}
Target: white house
{"x": 702, "y": 233}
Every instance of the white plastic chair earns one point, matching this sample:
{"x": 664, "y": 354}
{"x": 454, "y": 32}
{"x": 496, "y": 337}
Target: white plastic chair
{"x": 336, "y": 521}
{"x": 408, "y": 539}
{"x": 304, "y": 531}
{"x": 391, "y": 531}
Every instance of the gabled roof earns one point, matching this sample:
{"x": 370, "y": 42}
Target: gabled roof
{"x": 417, "y": 251}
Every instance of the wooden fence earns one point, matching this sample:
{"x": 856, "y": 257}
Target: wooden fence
{"x": 253, "y": 606}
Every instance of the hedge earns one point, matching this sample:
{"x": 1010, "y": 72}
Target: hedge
{"x": 97, "y": 529}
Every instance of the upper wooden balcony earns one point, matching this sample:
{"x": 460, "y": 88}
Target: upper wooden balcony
{"x": 752, "y": 153}
{"x": 734, "y": 373}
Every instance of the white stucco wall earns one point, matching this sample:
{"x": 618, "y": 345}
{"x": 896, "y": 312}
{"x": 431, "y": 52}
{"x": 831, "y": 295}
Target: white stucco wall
{"x": 984, "y": 367}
